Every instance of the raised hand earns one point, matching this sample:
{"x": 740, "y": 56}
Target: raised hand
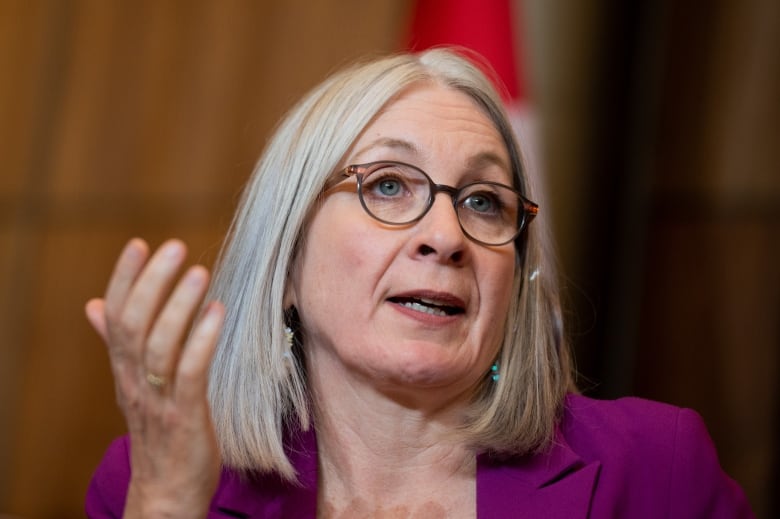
{"x": 160, "y": 350}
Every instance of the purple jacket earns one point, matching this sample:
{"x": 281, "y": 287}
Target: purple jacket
{"x": 625, "y": 458}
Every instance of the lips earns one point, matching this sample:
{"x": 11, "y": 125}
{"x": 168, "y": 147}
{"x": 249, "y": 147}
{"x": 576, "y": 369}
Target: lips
{"x": 431, "y": 303}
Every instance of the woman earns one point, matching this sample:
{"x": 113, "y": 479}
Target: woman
{"x": 384, "y": 340}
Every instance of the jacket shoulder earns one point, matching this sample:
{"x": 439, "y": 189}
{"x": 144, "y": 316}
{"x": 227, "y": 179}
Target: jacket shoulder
{"x": 631, "y": 418}
{"x": 655, "y": 452}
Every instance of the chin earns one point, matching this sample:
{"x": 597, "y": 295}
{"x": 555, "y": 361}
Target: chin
{"x": 426, "y": 377}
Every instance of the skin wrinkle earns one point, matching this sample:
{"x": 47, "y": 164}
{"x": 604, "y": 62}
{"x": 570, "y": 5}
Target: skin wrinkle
{"x": 359, "y": 509}
{"x": 478, "y": 163}
{"x": 353, "y": 431}
{"x": 399, "y": 469}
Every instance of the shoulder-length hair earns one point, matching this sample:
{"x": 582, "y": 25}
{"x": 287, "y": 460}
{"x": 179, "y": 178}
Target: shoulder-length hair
{"x": 255, "y": 396}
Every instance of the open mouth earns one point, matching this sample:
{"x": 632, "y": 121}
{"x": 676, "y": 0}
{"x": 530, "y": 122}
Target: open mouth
{"x": 427, "y": 306}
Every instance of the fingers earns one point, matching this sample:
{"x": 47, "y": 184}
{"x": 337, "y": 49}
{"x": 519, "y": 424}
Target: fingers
{"x": 173, "y": 323}
{"x": 128, "y": 266}
{"x": 137, "y": 292}
{"x": 96, "y": 315}
{"x": 192, "y": 373}
{"x": 145, "y": 320}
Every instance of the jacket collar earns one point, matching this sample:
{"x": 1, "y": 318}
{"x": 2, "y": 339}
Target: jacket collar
{"x": 554, "y": 483}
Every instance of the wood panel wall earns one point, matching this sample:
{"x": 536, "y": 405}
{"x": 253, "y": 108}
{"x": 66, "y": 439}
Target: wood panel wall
{"x": 710, "y": 329}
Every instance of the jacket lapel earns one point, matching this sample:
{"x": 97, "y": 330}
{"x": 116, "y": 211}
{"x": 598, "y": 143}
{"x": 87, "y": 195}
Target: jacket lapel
{"x": 555, "y": 483}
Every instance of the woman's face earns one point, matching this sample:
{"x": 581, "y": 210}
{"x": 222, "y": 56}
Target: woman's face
{"x": 370, "y": 296}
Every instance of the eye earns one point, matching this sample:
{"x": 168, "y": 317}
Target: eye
{"x": 388, "y": 186}
{"x": 483, "y": 202}
{"x": 390, "y": 182}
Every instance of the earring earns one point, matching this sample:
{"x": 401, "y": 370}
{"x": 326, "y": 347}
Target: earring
{"x": 494, "y": 374}
{"x": 289, "y": 339}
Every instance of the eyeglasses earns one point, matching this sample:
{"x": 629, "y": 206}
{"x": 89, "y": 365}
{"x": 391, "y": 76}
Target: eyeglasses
{"x": 396, "y": 193}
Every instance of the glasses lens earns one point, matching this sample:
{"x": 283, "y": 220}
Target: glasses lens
{"x": 395, "y": 193}
{"x": 489, "y": 212}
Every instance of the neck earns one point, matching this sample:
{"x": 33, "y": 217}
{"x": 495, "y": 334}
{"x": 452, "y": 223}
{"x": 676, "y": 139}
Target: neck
{"x": 380, "y": 456}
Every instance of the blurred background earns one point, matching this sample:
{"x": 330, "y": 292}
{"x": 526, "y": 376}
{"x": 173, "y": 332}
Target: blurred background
{"x": 653, "y": 128}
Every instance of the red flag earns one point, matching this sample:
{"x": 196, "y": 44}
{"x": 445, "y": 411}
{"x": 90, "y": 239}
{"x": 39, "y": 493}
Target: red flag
{"x": 485, "y": 26}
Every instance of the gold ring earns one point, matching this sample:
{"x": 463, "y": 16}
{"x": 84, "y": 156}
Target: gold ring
{"x": 156, "y": 381}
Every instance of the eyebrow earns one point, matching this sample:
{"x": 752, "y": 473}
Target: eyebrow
{"x": 477, "y": 162}
{"x": 391, "y": 143}
{"x": 487, "y": 158}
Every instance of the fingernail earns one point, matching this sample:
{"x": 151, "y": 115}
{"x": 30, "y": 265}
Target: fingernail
{"x": 194, "y": 277}
{"x": 209, "y": 322}
{"x": 213, "y": 314}
{"x": 172, "y": 250}
{"x": 132, "y": 249}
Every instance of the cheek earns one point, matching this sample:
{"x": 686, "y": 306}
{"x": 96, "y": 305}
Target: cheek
{"x": 338, "y": 265}
{"x": 341, "y": 254}
{"x": 497, "y": 291}
{"x": 499, "y": 276}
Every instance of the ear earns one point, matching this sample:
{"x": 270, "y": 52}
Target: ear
{"x": 290, "y": 299}
{"x": 290, "y": 294}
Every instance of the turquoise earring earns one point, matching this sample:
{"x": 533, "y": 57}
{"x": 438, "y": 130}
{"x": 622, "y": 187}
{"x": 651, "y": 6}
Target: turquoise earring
{"x": 494, "y": 374}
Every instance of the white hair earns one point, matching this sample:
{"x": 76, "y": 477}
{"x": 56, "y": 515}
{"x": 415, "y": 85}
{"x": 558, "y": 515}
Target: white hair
{"x": 256, "y": 396}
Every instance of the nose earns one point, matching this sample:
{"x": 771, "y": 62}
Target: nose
{"x": 438, "y": 234}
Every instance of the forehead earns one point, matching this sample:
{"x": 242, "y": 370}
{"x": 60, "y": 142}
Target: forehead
{"x": 429, "y": 122}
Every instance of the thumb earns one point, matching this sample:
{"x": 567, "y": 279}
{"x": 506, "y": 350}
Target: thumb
{"x": 96, "y": 315}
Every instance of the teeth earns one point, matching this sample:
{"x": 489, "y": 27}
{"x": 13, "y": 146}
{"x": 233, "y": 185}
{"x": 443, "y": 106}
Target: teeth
{"x": 422, "y": 308}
